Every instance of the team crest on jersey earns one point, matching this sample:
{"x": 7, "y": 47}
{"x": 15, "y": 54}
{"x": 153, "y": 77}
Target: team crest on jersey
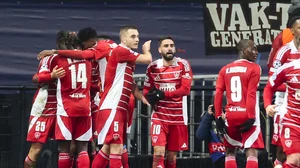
{"x": 116, "y": 136}
{"x": 37, "y": 135}
{"x": 154, "y": 139}
{"x": 288, "y": 143}
{"x": 176, "y": 74}
{"x": 276, "y": 64}
{"x": 275, "y": 137}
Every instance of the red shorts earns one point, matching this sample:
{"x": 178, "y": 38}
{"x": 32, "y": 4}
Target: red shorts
{"x": 111, "y": 126}
{"x": 290, "y": 138}
{"x": 277, "y": 130}
{"x": 250, "y": 139}
{"x": 73, "y": 128}
{"x": 41, "y": 128}
{"x": 173, "y": 137}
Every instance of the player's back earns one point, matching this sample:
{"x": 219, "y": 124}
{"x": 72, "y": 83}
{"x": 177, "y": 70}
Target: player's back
{"x": 73, "y": 90}
{"x": 237, "y": 76}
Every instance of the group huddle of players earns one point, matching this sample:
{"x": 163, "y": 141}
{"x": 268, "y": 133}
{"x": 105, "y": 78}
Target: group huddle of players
{"x": 87, "y": 92}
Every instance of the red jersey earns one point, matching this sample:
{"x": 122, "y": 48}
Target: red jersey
{"x": 290, "y": 74}
{"x": 95, "y": 87}
{"x": 100, "y": 52}
{"x": 73, "y": 90}
{"x": 44, "y": 101}
{"x": 284, "y": 37}
{"x": 284, "y": 55}
{"x": 175, "y": 81}
{"x": 118, "y": 79}
{"x": 240, "y": 80}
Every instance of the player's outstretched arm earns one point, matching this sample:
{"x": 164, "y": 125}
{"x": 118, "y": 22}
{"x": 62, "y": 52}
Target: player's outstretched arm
{"x": 46, "y": 76}
{"x": 146, "y": 57}
{"x": 74, "y": 54}
{"x": 139, "y": 95}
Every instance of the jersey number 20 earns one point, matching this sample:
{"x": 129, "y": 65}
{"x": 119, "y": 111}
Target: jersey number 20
{"x": 79, "y": 76}
{"x": 236, "y": 89}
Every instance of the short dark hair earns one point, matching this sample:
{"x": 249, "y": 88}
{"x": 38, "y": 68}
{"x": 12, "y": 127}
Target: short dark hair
{"x": 86, "y": 34}
{"x": 165, "y": 38}
{"x": 125, "y": 28}
{"x": 62, "y": 36}
{"x": 292, "y": 21}
{"x": 243, "y": 44}
{"x": 104, "y": 37}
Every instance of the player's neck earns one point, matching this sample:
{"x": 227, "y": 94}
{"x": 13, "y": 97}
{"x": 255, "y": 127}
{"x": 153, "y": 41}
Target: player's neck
{"x": 168, "y": 63}
{"x": 125, "y": 45}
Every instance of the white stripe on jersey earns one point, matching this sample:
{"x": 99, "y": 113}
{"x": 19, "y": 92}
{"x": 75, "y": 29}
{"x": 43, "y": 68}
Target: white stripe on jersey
{"x": 157, "y": 73}
{"x": 102, "y": 68}
{"x": 282, "y": 51}
{"x": 60, "y": 106}
{"x": 163, "y": 101}
{"x": 175, "y": 115}
{"x": 169, "y": 108}
{"x": 184, "y": 110}
{"x": 114, "y": 94}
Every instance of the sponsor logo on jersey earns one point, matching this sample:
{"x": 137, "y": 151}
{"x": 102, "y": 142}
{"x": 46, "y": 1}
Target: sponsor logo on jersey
{"x": 183, "y": 145}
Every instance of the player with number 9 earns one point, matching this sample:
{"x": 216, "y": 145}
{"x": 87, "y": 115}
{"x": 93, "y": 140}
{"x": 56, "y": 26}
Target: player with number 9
{"x": 240, "y": 80}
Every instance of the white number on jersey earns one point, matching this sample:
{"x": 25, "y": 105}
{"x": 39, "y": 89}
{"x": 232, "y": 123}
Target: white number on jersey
{"x": 79, "y": 76}
{"x": 40, "y": 126}
{"x": 116, "y": 126}
{"x": 236, "y": 89}
{"x": 156, "y": 129}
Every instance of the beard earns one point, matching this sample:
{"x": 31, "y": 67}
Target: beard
{"x": 168, "y": 56}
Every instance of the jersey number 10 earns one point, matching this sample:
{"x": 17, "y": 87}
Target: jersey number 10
{"x": 236, "y": 89}
{"x": 79, "y": 76}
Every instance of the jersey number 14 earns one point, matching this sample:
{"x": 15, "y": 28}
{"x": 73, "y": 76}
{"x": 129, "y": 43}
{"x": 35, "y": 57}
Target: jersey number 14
{"x": 79, "y": 76}
{"x": 236, "y": 89}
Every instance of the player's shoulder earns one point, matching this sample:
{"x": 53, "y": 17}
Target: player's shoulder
{"x": 184, "y": 62}
{"x": 155, "y": 63}
{"x": 285, "y": 49}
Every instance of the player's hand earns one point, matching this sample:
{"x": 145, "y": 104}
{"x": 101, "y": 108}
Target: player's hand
{"x": 270, "y": 110}
{"x": 57, "y": 72}
{"x": 146, "y": 46}
{"x": 210, "y": 110}
{"x": 145, "y": 101}
{"x": 247, "y": 125}
{"x": 46, "y": 53}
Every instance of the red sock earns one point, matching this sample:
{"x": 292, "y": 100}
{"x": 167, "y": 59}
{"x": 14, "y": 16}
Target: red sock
{"x": 83, "y": 160}
{"x": 28, "y": 162}
{"x": 158, "y": 161}
{"x": 64, "y": 160}
{"x": 289, "y": 165}
{"x": 125, "y": 159}
{"x": 171, "y": 164}
{"x": 115, "y": 161}
{"x": 230, "y": 162}
{"x": 252, "y": 162}
{"x": 101, "y": 160}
